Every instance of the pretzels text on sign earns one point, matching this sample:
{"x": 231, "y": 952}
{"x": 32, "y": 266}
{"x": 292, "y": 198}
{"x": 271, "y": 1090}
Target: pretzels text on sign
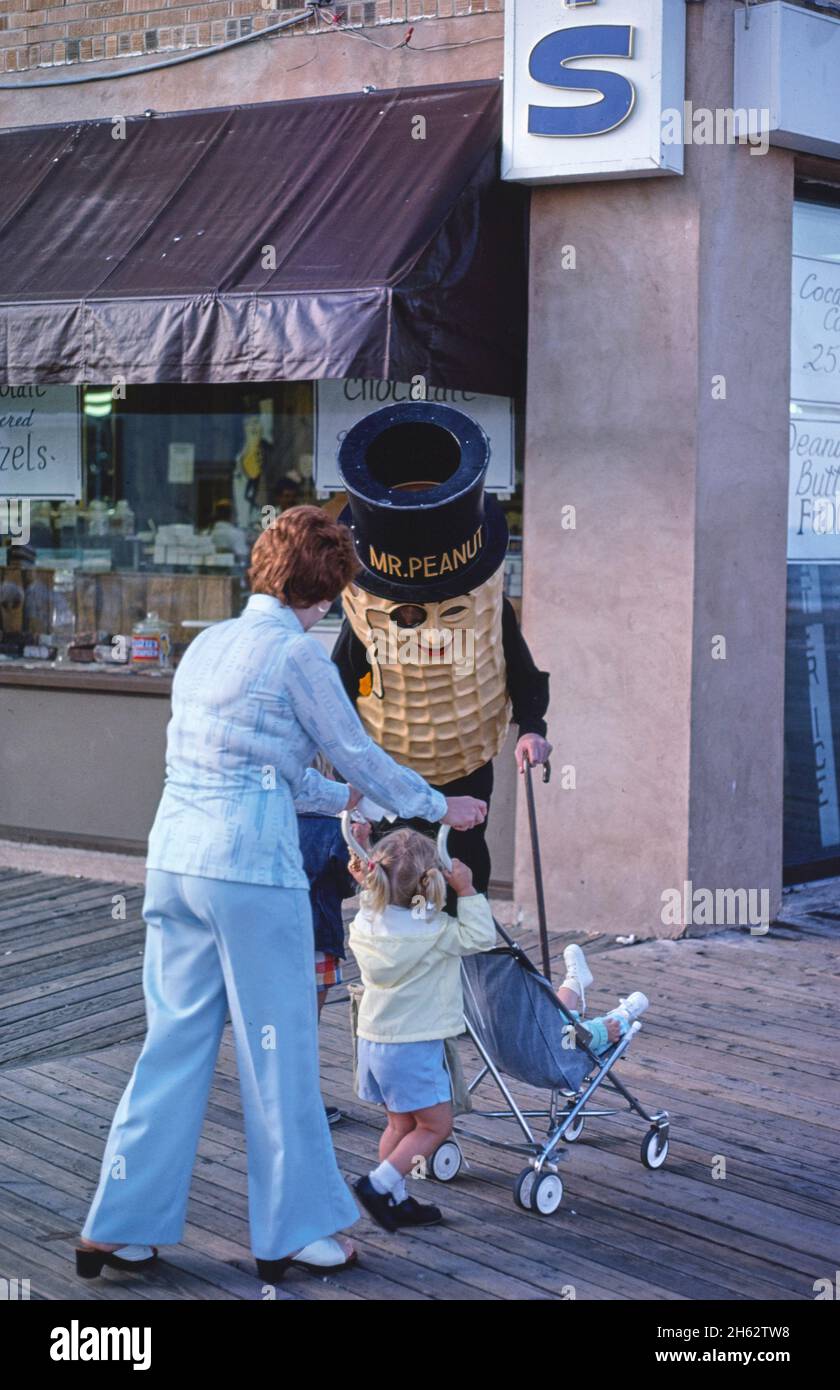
{"x": 586, "y": 88}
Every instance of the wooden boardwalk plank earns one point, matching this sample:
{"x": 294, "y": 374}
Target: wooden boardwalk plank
{"x": 741, "y": 1045}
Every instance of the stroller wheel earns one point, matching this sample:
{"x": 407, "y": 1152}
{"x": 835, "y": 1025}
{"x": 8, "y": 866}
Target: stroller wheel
{"x": 546, "y": 1194}
{"x": 446, "y": 1161}
{"x": 575, "y": 1130}
{"x": 655, "y": 1148}
{"x": 523, "y": 1187}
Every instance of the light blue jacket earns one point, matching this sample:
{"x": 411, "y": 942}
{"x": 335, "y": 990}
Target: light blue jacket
{"x": 252, "y": 700}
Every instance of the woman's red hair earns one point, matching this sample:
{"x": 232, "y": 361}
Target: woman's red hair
{"x": 303, "y": 558}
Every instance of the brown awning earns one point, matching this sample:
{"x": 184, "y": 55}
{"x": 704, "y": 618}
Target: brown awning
{"x": 397, "y": 251}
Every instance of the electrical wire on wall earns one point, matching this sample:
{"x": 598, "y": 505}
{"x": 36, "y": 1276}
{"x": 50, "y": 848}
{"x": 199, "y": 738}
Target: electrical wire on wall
{"x": 315, "y": 7}
{"x": 333, "y": 22}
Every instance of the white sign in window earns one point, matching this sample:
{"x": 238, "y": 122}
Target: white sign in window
{"x": 40, "y": 442}
{"x": 341, "y": 404}
{"x": 587, "y": 88}
{"x": 814, "y": 489}
{"x": 815, "y": 336}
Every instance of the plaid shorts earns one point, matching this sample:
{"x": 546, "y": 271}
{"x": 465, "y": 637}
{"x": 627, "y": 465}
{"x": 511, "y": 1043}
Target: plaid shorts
{"x": 327, "y": 971}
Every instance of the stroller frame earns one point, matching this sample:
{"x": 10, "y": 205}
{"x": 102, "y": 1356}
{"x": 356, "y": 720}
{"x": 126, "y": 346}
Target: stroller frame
{"x": 538, "y": 1187}
{"x": 566, "y": 1109}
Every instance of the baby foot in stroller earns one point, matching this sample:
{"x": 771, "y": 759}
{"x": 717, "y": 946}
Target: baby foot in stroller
{"x": 630, "y": 1009}
{"x": 578, "y": 975}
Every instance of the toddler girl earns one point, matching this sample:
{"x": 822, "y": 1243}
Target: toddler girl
{"x": 409, "y": 953}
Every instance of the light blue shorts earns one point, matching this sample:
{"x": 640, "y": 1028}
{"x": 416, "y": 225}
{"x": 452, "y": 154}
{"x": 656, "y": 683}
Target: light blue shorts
{"x": 403, "y": 1076}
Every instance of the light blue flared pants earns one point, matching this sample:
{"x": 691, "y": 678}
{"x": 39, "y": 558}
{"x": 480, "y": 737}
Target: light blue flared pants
{"x": 213, "y": 946}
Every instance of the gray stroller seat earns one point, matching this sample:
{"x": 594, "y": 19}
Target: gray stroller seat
{"x": 521, "y": 1031}
{"x": 515, "y": 1013}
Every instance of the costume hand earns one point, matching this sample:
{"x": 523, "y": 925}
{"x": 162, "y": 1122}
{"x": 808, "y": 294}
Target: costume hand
{"x": 533, "y": 747}
{"x": 460, "y": 878}
{"x": 463, "y": 812}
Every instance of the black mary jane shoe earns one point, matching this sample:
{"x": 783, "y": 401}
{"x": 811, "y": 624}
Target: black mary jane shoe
{"x": 410, "y": 1212}
{"x": 378, "y": 1205}
{"x": 89, "y": 1261}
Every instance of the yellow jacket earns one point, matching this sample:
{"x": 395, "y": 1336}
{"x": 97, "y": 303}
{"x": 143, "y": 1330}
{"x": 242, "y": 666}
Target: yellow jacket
{"x": 411, "y": 969}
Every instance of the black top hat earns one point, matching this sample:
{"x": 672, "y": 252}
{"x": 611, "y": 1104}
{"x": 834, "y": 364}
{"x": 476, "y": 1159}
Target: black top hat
{"x": 422, "y": 525}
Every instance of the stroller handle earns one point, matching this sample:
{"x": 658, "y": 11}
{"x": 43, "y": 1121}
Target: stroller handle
{"x": 361, "y": 853}
{"x": 443, "y": 853}
{"x": 349, "y": 838}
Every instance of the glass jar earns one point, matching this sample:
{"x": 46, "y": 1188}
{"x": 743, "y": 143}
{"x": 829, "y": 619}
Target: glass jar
{"x": 97, "y": 518}
{"x": 150, "y": 644}
{"x": 63, "y": 613}
{"x": 122, "y": 519}
{"x": 68, "y": 525}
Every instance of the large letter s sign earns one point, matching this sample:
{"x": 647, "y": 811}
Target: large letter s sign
{"x": 548, "y": 64}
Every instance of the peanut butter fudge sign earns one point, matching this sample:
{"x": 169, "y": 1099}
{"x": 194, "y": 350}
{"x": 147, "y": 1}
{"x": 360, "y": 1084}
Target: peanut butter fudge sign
{"x": 814, "y": 489}
{"x": 40, "y": 442}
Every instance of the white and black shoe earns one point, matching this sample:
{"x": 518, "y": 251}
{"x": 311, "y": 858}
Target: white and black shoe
{"x": 90, "y": 1261}
{"x": 325, "y": 1256}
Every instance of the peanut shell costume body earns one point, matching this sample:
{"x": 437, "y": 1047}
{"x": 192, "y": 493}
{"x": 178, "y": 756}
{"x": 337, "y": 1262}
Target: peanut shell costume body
{"x": 431, "y": 651}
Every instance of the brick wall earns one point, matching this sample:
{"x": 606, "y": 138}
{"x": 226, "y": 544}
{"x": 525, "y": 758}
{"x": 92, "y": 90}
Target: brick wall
{"x": 45, "y": 33}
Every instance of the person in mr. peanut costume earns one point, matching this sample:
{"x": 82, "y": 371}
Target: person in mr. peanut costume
{"x": 430, "y": 650}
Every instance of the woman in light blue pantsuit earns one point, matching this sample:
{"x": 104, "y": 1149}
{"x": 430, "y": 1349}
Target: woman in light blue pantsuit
{"x": 228, "y": 918}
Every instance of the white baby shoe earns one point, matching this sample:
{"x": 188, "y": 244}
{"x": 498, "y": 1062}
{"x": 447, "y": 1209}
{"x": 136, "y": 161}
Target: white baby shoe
{"x": 578, "y": 974}
{"x": 630, "y": 1008}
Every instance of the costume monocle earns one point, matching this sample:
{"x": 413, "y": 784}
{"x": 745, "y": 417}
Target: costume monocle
{"x": 431, "y": 651}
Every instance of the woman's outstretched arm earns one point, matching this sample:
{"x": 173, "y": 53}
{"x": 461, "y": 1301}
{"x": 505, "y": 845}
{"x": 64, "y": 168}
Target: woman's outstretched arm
{"x": 314, "y": 690}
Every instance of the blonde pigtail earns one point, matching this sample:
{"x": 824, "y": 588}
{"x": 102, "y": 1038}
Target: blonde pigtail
{"x": 432, "y": 885}
{"x": 376, "y": 894}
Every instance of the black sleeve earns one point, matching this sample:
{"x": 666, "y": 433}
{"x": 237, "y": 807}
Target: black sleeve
{"x": 351, "y": 659}
{"x": 527, "y": 685}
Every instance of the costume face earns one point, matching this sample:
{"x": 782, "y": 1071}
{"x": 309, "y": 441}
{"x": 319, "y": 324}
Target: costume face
{"x": 436, "y": 696}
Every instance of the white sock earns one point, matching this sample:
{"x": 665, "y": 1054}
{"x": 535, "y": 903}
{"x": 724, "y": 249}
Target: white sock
{"x": 385, "y": 1178}
{"x": 400, "y": 1191}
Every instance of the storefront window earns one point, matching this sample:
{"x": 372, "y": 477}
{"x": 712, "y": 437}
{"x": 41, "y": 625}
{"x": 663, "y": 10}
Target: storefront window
{"x": 812, "y": 696}
{"x": 160, "y": 494}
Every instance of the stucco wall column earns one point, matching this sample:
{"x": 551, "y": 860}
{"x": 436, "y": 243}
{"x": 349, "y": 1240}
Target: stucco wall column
{"x": 681, "y": 290}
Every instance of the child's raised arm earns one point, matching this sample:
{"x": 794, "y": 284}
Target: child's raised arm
{"x": 473, "y": 930}
{"x": 356, "y": 868}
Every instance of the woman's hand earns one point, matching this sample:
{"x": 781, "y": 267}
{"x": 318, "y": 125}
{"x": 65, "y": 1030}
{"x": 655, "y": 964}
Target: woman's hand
{"x": 464, "y": 812}
{"x": 460, "y": 878}
{"x": 353, "y": 798}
